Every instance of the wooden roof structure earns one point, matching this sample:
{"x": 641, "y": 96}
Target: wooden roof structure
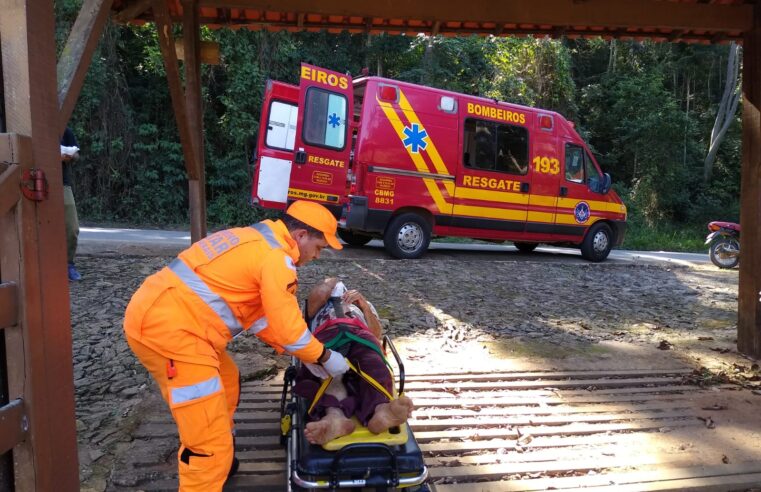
{"x": 37, "y": 426}
{"x": 692, "y": 21}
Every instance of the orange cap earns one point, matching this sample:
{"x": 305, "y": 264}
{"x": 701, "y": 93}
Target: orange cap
{"x": 315, "y": 215}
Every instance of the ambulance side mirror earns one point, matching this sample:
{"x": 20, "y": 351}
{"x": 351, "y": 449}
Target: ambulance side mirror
{"x": 605, "y": 184}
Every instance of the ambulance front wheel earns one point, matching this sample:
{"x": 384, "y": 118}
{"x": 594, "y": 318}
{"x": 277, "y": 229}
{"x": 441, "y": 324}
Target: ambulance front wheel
{"x": 407, "y": 236}
{"x": 354, "y": 238}
{"x": 596, "y": 246}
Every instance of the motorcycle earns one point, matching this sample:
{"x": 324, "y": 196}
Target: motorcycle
{"x": 724, "y": 239}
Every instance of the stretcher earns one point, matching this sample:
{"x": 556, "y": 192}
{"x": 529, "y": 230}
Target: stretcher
{"x": 361, "y": 460}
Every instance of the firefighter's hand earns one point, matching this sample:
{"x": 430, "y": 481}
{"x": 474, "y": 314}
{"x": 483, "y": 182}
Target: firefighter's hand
{"x": 336, "y": 364}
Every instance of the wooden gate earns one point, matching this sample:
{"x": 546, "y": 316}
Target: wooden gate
{"x": 37, "y": 423}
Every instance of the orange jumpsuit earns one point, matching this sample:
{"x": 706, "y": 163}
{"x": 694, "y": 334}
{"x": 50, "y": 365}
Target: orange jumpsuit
{"x": 180, "y": 320}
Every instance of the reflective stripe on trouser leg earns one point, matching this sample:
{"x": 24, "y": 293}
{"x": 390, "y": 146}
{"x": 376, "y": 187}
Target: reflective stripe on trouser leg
{"x": 203, "y": 422}
{"x": 230, "y": 375}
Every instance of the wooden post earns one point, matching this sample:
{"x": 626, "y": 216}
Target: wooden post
{"x": 749, "y": 307}
{"x": 33, "y": 252}
{"x": 194, "y": 106}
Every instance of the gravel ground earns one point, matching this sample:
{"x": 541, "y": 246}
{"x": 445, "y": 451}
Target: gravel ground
{"x": 445, "y": 314}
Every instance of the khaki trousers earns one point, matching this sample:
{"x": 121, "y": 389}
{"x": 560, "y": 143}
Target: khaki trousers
{"x": 72, "y": 223}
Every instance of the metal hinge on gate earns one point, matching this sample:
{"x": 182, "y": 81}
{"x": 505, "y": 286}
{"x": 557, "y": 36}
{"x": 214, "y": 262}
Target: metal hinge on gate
{"x": 34, "y": 184}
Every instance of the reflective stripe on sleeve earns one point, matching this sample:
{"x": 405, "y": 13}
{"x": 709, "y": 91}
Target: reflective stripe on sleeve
{"x": 289, "y": 263}
{"x": 268, "y": 234}
{"x": 300, "y": 343}
{"x": 196, "y": 391}
{"x": 259, "y": 325}
{"x": 215, "y": 302}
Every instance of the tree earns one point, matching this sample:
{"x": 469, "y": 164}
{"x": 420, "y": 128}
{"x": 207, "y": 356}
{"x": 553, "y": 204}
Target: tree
{"x": 726, "y": 112}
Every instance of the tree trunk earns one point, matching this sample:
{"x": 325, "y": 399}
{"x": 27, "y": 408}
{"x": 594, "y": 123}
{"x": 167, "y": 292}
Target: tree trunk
{"x": 727, "y": 107}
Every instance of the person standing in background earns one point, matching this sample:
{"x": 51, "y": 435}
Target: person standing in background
{"x": 69, "y": 153}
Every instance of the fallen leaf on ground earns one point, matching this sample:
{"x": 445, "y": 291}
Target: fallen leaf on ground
{"x": 665, "y": 345}
{"x": 710, "y": 424}
{"x": 715, "y": 406}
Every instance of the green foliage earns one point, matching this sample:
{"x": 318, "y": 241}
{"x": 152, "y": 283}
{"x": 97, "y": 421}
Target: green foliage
{"x": 645, "y": 109}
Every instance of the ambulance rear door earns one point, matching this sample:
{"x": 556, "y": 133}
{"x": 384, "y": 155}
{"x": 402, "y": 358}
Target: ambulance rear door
{"x": 275, "y": 145}
{"x": 323, "y": 137}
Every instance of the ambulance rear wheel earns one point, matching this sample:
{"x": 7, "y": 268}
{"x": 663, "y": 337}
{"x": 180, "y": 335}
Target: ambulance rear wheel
{"x": 525, "y": 247}
{"x": 596, "y": 246}
{"x": 407, "y": 236}
{"x": 354, "y": 238}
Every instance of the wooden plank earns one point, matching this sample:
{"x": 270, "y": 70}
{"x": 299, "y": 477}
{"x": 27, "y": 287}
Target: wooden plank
{"x": 433, "y": 412}
{"x": 522, "y": 385}
{"x": 258, "y": 442}
{"x": 510, "y": 376}
{"x": 434, "y": 424}
{"x": 77, "y": 54}
{"x": 568, "y": 430}
{"x": 548, "y": 383}
{"x": 731, "y": 482}
{"x": 457, "y": 412}
{"x": 262, "y": 467}
{"x": 667, "y": 476}
{"x": 13, "y": 425}
{"x": 166, "y": 44}
{"x": 9, "y": 188}
{"x": 9, "y": 308}
{"x": 749, "y": 314}
{"x": 449, "y": 448}
{"x": 609, "y": 13}
{"x": 254, "y": 483}
{"x": 39, "y": 350}
{"x": 496, "y": 471}
{"x": 267, "y": 455}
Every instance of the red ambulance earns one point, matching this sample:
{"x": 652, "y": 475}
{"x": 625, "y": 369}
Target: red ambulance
{"x": 403, "y": 162}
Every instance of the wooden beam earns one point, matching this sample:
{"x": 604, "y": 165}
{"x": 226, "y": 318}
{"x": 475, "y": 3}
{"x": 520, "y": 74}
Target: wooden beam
{"x": 166, "y": 44}
{"x": 32, "y": 253}
{"x": 131, "y": 10}
{"x": 192, "y": 46}
{"x": 77, "y": 54}
{"x": 209, "y": 54}
{"x": 749, "y": 307}
{"x": 609, "y": 13}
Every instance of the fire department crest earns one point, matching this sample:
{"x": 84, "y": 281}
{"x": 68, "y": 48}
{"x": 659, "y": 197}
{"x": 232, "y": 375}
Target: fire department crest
{"x": 581, "y": 212}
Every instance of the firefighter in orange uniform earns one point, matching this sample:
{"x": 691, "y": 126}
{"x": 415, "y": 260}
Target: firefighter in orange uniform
{"x": 180, "y": 320}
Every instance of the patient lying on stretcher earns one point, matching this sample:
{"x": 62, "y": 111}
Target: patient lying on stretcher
{"x": 351, "y": 395}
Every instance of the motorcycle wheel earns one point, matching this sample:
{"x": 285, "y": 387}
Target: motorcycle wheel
{"x": 725, "y": 253}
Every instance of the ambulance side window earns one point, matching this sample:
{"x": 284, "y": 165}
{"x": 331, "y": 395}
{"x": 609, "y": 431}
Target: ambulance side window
{"x": 574, "y": 163}
{"x": 494, "y": 146}
{"x": 325, "y": 119}
{"x": 281, "y": 127}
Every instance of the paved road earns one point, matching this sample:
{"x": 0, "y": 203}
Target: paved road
{"x": 96, "y": 240}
